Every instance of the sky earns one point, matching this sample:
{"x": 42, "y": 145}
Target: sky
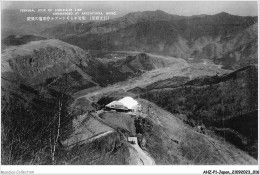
{"x": 186, "y": 8}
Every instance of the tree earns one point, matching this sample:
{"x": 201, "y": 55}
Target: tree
{"x": 59, "y": 117}
{"x": 32, "y": 126}
{"x": 55, "y": 133}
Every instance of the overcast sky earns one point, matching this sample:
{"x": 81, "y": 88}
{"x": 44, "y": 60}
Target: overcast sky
{"x": 187, "y": 8}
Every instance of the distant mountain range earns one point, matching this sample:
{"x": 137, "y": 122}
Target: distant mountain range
{"x": 226, "y": 39}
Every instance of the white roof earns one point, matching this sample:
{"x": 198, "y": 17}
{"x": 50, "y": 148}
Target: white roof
{"x": 115, "y": 103}
{"x": 129, "y": 102}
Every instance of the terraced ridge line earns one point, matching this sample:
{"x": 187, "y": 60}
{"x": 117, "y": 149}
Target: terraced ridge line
{"x": 90, "y": 139}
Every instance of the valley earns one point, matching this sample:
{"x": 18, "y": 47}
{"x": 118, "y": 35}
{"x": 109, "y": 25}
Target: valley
{"x": 194, "y": 78}
{"x": 176, "y": 67}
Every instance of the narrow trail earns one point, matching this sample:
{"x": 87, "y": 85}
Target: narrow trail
{"x": 146, "y": 159}
{"x": 100, "y": 135}
{"x": 216, "y": 149}
{"x": 90, "y": 139}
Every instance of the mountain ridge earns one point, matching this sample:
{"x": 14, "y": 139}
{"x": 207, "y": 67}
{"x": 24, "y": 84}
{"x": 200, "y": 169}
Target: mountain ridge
{"x": 225, "y": 104}
{"x": 203, "y": 37}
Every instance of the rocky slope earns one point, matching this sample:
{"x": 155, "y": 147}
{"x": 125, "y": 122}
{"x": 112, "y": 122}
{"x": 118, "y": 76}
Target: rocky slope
{"x": 45, "y": 63}
{"x": 33, "y": 61}
{"x": 227, "y": 39}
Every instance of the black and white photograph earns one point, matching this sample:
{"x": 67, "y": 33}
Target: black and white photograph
{"x": 130, "y": 83}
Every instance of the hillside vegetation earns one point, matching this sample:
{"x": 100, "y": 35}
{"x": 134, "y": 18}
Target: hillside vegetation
{"x": 215, "y": 102}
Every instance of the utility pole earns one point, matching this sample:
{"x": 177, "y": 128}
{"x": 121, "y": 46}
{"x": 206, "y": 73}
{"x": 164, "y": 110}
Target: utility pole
{"x": 223, "y": 109}
{"x": 223, "y": 116}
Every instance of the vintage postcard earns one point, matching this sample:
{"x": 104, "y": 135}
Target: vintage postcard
{"x": 129, "y": 83}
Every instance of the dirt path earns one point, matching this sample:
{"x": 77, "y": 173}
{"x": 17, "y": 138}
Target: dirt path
{"x": 100, "y": 135}
{"x": 89, "y": 139}
{"x": 146, "y": 159}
